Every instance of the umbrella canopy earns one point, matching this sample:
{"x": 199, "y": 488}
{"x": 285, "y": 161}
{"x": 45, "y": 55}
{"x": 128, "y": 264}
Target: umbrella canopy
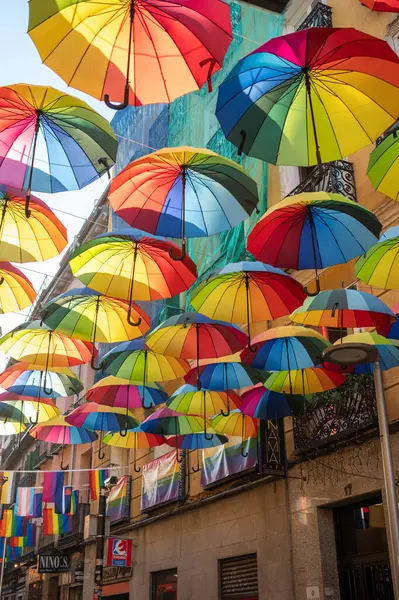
{"x": 92, "y": 317}
{"x": 388, "y": 350}
{"x": 43, "y": 128}
{"x": 222, "y": 376}
{"x": 261, "y": 403}
{"x": 22, "y": 239}
{"x": 101, "y": 418}
{"x": 135, "y": 438}
{"x": 382, "y": 5}
{"x": 305, "y": 381}
{"x": 343, "y": 308}
{"x": 115, "y": 391}
{"x": 168, "y": 422}
{"x": 190, "y": 401}
{"x": 11, "y": 414}
{"x": 183, "y": 193}
{"x": 310, "y": 97}
{"x": 16, "y": 291}
{"x": 27, "y": 380}
{"x": 236, "y": 424}
{"x": 196, "y": 441}
{"x": 313, "y": 230}
{"x": 245, "y": 292}
{"x": 11, "y": 428}
{"x": 383, "y": 165}
{"x": 59, "y": 431}
{"x": 132, "y": 265}
{"x": 286, "y": 348}
{"x": 133, "y": 361}
{"x": 379, "y": 266}
{"x": 33, "y": 410}
{"x": 109, "y": 49}
{"x": 191, "y": 335}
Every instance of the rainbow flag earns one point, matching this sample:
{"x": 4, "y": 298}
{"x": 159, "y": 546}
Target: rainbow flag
{"x": 11, "y": 525}
{"x": 28, "y": 503}
{"x": 160, "y": 481}
{"x": 96, "y": 481}
{"x": 25, "y": 541}
{"x": 53, "y": 485}
{"x": 54, "y": 523}
{"x": 6, "y": 489}
{"x": 119, "y": 500}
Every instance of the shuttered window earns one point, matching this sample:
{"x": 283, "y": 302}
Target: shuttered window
{"x": 239, "y": 578}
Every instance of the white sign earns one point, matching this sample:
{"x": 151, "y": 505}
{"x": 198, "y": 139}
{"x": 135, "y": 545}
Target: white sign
{"x": 313, "y": 593}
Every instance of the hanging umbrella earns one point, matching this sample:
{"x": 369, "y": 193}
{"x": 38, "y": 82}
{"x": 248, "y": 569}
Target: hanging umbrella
{"x": 379, "y": 266}
{"x": 22, "y": 240}
{"x": 388, "y": 350}
{"x": 137, "y": 52}
{"x": 196, "y": 441}
{"x": 11, "y": 414}
{"x": 135, "y": 362}
{"x": 286, "y": 348}
{"x": 236, "y": 424}
{"x": 16, "y": 291}
{"x": 11, "y": 428}
{"x": 132, "y": 265}
{"x": 135, "y": 439}
{"x": 115, "y": 391}
{"x": 261, "y": 403}
{"x": 382, "y": 5}
{"x": 189, "y": 400}
{"x": 383, "y": 166}
{"x": 310, "y": 97}
{"x": 183, "y": 193}
{"x": 343, "y": 308}
{"x": 92, "y": 317}
{"x": 34, "y": 343}
{"x": 34, "y": 410}
{"x": 25, "y": 379}
{"x": 223, "y": 376}
{"x": 102, "y": 418}
{"x": 304, "y": 381}
{"x": 313, "y": 230}
{"x": 246, "y": 292}
{"x": 43, "y": 128}
{"x": 58, "y": 431}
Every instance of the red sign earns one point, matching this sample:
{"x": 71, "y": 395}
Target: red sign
{"x": 119, "y": 552}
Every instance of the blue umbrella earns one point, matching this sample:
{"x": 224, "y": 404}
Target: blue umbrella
{"x": 261, "y": 403}
{"x": 223, "y": 376}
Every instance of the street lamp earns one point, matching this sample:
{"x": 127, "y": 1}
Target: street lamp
{"x": 345, "y": 354}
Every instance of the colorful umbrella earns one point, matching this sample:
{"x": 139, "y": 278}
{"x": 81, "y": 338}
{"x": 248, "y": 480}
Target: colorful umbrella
{"x": 133, "y": 361}
{"x": 34, "y": 410}
{"x": 222, "y": 376}
{"x": 115, "y": 391}
{"x": 43, "y": 128}
{"x": 388, "y": 350}
{"x": 143, "y": 52}
{"x": 343, "y": 308}
{"x": 16, "y": 291}
{"x": 246, "y": 292}
{"x": 236, "y": 424}
{"x": 183, "y": 193}
{"x": 196, "y": 441}
{"x": 261, "y": 403}
{"x": 22, "y": 240}
{"x": 391, "y": 331}
{"x": 34, "y": 343}
{"x": 310, "y": 97}
{"x": 286, "y": 348}
{"x": 58, "y": 431}
{"x": 11, "y": 428}
{"x": 313, "y": 230}
{"x": 382, "y": 5}
{"x": 11, "y": 414}
{"x": 379, "y": 266}
{"x": 135, "y": 438}
{"x": 304, "y": 381}
{"x": 27, "y": 380}
{"x": 383, "y": 166}
{"x": 132, "y": 265}
{"x": 92, "y": 317}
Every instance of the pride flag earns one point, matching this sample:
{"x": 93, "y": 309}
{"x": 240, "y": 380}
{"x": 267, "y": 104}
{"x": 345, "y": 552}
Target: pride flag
{"x": 96, "y": 481}
{"x": 25, "y": 541}
{"x": 28, "y": 503}
{"x": 70, "y": 501}
{"x": 54, "y": 523}
{"x": 11, "y": 525}
{"x": 118, "y": 503}
{"x": 6, "y": 489}
{"x": 53, "y": 485}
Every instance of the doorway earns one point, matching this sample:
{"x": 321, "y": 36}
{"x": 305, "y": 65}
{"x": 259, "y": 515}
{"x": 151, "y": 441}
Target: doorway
{"x": 362, "y": 551}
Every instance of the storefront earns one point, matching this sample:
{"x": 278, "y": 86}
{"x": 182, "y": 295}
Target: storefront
{"x": 71, "y": 583}
{"x": 116, "y": 582}
{"x": 164, "y": 585}
{"x": 35, "y": 584}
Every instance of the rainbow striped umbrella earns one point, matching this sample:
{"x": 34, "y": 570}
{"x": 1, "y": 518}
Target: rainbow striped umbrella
{"x": 304, "y": 381}
{"x": 34, "y": 410}
{"x": 222, "y": 376}
{"x": 261, "y": 403}
{"x": 25, "y": 379}
{"x": 136, "y": 439}
{"x": 379, "y": 266}
{"x": 115, "y": 391}
{"x": 16, "y": 291}
{"x": 196, "y": 441}
{"x": 236, "y": 424}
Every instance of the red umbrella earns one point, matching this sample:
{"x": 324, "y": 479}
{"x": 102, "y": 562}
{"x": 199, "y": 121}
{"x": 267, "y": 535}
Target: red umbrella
{"x": 382, "y": 5}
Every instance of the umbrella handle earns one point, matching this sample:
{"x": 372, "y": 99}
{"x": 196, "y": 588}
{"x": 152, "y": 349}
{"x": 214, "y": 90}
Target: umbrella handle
{"x": 33, "y": 422}
{"x": 1, "y": 280}
{"x": 129, "y": 318}
{"x": 135, "y": 467}
{"x": 101, "y": 454}
{"x": 104, "y": 162}
{"x": 196, "y": 469}
{"x": 243, "y": 453}
{"x": 179, "y": 459}
{"x": 243, "y": 135}
{"x": 123, "y": 432}
{"x": 318, "y": 289}
{"x": 122, "y": 105}
{"x": 27, "y": 200}
{"x": 183, "y": 252}
{"x": 62, "y": 459}
{"x": 334, "y": 309}
{"x": 93, "y": 363}
{"x": 208, "y": 436}
{"x": 212, "y": 63}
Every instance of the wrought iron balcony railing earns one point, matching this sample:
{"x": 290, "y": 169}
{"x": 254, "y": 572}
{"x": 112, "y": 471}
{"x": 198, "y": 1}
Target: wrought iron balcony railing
{"x": 320, "y": 16}
{"x": 335, "y": 177}
{"x": 338, "y": 414}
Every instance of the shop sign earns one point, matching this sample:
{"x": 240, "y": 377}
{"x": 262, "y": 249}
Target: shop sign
{"x": 33, "y": 575}
{"x": 116, "y": 574}
{"x": 119, "y": 552}
{"x": 53, "y": 563}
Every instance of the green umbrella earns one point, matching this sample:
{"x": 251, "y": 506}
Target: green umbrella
{"x": 383, "y": 168}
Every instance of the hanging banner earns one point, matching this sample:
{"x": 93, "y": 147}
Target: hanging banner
{"x": 119, "y": 553}
{"x": 228, "y": 460}
{"x": 160, "y": 481}
{"x": 118, "y": 503}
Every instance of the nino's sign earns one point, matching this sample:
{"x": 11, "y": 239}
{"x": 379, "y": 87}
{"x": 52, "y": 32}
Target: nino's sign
{"x": 119, "y": 553}
{"x": 53, "y": 563}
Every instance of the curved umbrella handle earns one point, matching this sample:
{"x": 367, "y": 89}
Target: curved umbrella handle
{"x": 334, "y": 309}
{"x": 135, "y": 467}
{"x": 243, "y": 453}
{"x": 33, "y": 422}
{"x": 183, "y": 252}
{"x": 318, "y": 289}
{"x": 2, "y": 280}
{"x": 129, "y": 318}
{"x": 180, "y": 458}
{"x": 212, "y": 63}
{"x": 62, "y": 459}
{"x": 49, "y": 391}
{"x": 123, "y": 432}
{"x": 93, "y": 362}
{"x": 196, "y": 469}
{"x": 122, "y": 105}
{"x": 208, "y": 436}
{"x": 27, "y": 200}
{"x": 243, "y": 135}
{"x": 101, "y": 454}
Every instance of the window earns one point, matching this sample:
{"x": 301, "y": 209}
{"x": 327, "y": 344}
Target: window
{"x": 164, "y": 585}
{"x": 239, "y": 578}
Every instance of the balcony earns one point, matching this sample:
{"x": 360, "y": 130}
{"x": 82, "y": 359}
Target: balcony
{"x": 335, "y": 177}
{"x": 320, "y": 16}
{"x": 39, "y": 455}
{"x": 336, "y": 415}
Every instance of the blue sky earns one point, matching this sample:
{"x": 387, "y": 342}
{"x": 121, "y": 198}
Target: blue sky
{"x": 21, "y": 63}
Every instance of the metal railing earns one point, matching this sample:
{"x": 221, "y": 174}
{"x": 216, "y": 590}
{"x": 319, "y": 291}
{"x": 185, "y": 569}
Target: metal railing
{"x": 320, "y": 16}
{"x": 336, "y": 177}
{"x": 338, "y": 414}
